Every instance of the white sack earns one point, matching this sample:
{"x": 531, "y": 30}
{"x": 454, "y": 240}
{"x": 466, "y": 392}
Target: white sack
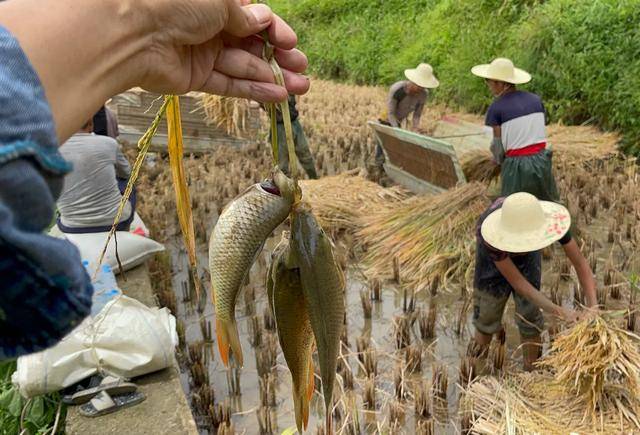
{"x": 132, "y": 249}
{"x": 125, "y": 339}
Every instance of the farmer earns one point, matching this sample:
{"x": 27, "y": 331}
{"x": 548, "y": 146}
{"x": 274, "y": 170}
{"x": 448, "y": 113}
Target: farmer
{"x": 299, "y": 139}
{"x": 93, "y": 190}
{"x": 406, "y": 97}
{"x": 53, "y": 77}
{"x": 510, "y": 236}
{"x": 519, "y": 143}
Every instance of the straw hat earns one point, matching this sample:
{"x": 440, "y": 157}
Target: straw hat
{"x": 524, "y": 224}
{"x": 502, "y": 69}
{"x": 422, "y": 76}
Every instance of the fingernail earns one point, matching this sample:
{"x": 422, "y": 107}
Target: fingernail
{"x": 261, "y": 12}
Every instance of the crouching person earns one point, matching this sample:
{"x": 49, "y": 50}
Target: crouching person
{"x": 510, "y": 236}
{"x": 93, "y": 191}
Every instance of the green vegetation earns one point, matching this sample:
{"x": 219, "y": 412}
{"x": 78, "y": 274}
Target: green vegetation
{"x": 584, "y": 55}
{"x": 18, "y": 415}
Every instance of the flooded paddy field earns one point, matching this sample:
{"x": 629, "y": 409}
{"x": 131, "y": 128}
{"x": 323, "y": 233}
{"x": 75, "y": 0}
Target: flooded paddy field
{"x": 397, "y": 336}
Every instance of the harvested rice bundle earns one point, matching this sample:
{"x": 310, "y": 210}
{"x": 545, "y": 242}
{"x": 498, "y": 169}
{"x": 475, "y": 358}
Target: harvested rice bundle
{"x": 526, "y": 403}
{"x": 596, "y": 360}
{"x": 225, "y": 112}
{"x": 479, "y": 166}
{"x": 340, "y": 201}
{"x": 431, "y": 236}
{"x": 582, "y": 143}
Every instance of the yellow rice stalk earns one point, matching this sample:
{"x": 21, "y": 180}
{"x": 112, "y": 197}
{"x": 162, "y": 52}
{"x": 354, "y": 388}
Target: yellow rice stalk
{"x": 431, "y": 236}
{"x": 340, "y": 201}
{"x": 596, "y": 360}
{"x": 183, "y": 202}
{"x": 479, "y": 166}
{"x": 143, "y": 146}
{"x": 528, "y": 403}
{"x": 228, "y": 113}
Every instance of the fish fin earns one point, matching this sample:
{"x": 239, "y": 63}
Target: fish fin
{"x": 311, "y": 386}
{"x": 228, "y": 338}
{"x": 301, "y": 407}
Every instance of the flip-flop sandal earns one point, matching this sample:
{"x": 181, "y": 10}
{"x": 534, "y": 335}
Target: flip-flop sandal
{"x": 112, "y": 385}
{"x": 104, "y": 404}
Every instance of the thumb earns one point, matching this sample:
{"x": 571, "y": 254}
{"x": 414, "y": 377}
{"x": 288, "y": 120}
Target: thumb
{"x": 247, "y": 20}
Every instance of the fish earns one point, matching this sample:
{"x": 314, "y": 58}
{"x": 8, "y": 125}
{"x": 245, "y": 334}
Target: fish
{"x": 293, "y": 325}
{"x": 323, "y": 285}
{"x": 237, "y": 239}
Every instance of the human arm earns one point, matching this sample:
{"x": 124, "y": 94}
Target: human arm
{"x": 86, "y": 52}
{"x": 392, "y": 106}
{"x": 417, "y": 114}
{"x": 497, "y": 147}
{"x": 123, "y": 169}
{"x": 524, "y": 288}
{"x": 584, "y": 272}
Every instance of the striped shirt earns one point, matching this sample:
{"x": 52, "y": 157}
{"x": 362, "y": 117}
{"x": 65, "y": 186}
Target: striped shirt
{"x": 521, "y": 115}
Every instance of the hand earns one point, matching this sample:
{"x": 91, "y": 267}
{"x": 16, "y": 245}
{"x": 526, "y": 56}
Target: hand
{"x": 567, "y": 314}
{"x": 212, "y": 46}
{"x": 589, "y": 313}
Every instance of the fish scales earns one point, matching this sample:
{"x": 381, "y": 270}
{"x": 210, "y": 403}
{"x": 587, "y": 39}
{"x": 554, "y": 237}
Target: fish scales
{"x": 286, "y": 299}
{"x": 323, "y": 285}
{"x": 235, "y": 243}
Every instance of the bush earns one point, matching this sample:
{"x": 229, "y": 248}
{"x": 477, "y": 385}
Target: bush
{"x": 584, "y": 55}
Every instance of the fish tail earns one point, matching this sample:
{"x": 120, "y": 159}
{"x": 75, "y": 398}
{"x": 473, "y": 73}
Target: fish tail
{"x": 228, "y": 338}
{"x": 301, "y": 406}
{"x": 311, "y": 384}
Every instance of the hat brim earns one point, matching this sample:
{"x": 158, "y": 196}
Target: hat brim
{"x": 558, "y": 222}
{"x": 420, "y": 80}
{"x": 519, "y": 76}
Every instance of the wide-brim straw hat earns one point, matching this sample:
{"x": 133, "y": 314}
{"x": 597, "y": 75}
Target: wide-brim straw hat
{"x": 422, "y": 76}
{"x": 503, "y": 70}
{"x": 525, "y": 224}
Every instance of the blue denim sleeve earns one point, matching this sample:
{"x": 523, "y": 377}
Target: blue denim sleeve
{"x": 44, "y": 290}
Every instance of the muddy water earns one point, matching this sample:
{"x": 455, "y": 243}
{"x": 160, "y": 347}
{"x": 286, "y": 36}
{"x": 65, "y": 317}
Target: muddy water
{"x": 447, "y": 348}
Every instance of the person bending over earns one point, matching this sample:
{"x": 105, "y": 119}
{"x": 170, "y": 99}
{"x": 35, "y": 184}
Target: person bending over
{"x": 510, "y": 235}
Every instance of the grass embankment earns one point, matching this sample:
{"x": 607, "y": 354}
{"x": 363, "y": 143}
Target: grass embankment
{"x": 37, "y": 416}
{"x": 584, "y": 55}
